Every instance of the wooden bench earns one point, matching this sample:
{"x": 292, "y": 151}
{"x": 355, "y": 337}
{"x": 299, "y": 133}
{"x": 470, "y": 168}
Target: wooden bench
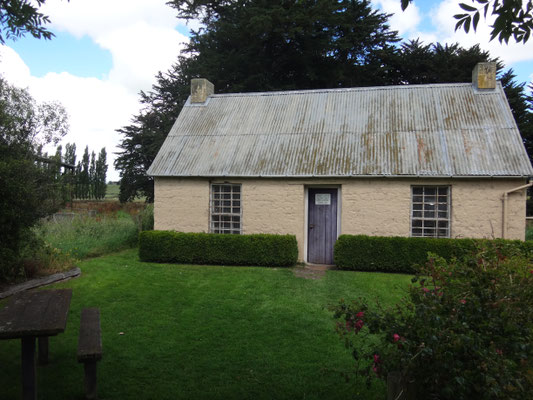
{"x": 90, "y": 348}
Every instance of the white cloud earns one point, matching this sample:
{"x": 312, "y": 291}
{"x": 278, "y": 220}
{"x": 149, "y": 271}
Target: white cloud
{"x": 142, "y": 38}
{"x": 444, "y": 24}
{"x": 96, "y": 107}
{"x": 402, "y": 21}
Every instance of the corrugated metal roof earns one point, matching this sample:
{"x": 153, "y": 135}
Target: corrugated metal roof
{"x": 414, "y": 130}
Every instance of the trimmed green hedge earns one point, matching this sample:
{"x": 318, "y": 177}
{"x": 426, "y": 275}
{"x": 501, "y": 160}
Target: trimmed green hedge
{"x": 209, "y": 248}
{"x": 401, "y": 254}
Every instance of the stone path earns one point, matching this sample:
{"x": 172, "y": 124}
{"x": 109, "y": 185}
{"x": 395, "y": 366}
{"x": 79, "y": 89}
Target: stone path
{"x": 311, "y": 271}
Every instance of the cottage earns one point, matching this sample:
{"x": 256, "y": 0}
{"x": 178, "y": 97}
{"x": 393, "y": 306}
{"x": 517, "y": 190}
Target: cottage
{"x": 438, "y": 160}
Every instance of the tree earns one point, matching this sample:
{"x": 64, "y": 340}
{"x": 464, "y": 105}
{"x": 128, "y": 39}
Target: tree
{"x": 419, "y": 63}
{"x": 258, "y": 45}
{"x": 84, "y": 175}
{"x": 19, "y": 17}
{"x": 27, "y": 192}
{"x": 512, "y": 18}
{"x": 101, "y": 172}
{"x": 145, "y": 135}
{"x": 92, "y": 177}
{"x": 70, "y": 153}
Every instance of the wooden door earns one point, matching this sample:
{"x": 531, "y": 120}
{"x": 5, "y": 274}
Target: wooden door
{"x": 321, "y": 225}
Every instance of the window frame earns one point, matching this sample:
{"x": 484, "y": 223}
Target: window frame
{"x": 437, "y": 218}
{"x": 221, "y": 215}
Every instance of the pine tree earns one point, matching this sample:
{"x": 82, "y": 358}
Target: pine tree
{"x": 92, "y": 177}
{"x": 101, "y": 172}
{"x": 84, "y": 175}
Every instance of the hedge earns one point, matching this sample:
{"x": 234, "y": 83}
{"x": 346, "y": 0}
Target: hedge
{"x": 210, "y": 248}
{"x": 402, "y": 254}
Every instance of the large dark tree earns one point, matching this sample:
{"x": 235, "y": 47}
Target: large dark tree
{"x": 258, "y": 45}
{"x": 419, "y": 63}
{"x": 145, "y": 135}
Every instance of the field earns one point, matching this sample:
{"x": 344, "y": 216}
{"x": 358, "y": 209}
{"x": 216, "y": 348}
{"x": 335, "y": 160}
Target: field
{"x": 205, "y": 332}
{"x": 112, "y": 191}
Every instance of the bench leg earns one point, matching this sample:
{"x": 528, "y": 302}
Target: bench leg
{"x": 29, "y": 383}
{"x": 90, "y": 380}
{"x": 43, "y": 350}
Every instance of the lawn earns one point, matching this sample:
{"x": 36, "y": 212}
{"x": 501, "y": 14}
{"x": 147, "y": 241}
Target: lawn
{"x": 206, "y": 332}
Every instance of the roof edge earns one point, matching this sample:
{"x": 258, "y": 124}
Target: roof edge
{"x": 352, "y": 89}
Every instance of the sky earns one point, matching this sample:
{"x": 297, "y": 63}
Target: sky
{"x": 106, "y": 51}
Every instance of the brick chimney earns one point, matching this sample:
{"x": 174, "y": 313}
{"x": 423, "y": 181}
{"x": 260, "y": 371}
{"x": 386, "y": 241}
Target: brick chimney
{"x": 201, "y": 89}
{"x": 484, "y": 75}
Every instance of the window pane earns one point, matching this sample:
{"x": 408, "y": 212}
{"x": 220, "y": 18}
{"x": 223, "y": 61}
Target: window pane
{"x": 430, "y": 211}
{"x": 430, "y": 223}
{"x": 225, "y": 208}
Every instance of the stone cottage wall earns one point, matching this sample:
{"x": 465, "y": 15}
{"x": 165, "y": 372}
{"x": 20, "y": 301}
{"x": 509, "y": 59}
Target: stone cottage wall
{"x": 368, "y": 206}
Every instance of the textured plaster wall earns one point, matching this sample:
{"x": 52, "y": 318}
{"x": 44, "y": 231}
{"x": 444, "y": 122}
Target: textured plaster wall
{"x": 181, "y": 205}
{"x": 382, "y": 207}
{"x": 274, "y": 207}
{"x": 368, "y": 206}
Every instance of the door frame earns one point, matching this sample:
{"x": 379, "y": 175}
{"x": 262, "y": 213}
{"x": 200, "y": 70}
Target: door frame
{"x": 306, "y": 212}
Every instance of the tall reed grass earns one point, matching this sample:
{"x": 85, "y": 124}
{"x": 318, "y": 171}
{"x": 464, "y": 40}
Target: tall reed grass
{"x": 83, "y": 237}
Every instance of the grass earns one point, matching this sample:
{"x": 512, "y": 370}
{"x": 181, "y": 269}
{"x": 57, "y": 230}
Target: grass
{"x": 112, "y": 191}
{"x": 84, "y": 237}
{"x": 204, "y": 332}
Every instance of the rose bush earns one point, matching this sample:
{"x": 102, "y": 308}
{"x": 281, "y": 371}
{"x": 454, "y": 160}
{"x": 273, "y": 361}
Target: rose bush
{"x": 464, "y": 331}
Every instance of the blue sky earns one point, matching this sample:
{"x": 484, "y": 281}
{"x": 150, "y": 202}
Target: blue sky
{"x": 105, "y": 52}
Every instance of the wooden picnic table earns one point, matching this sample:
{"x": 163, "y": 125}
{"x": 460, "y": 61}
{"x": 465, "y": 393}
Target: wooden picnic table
{"x": 34, "y": 315}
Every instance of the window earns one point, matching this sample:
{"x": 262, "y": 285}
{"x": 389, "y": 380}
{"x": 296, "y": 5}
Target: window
{"x": 430, "y": 211}
{"x": 225, "y": 208}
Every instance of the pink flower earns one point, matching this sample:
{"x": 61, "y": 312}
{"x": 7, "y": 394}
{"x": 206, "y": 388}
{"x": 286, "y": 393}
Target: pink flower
{"x": 359, "y": 325}
{"x": 499, "y": 352}
{"x": 425, "y": 290}
{"x": 463, "y": 301}
{"x": 377, "y": 360}
{"x": 396, "y": 337}
{"x": 360, "y": 314}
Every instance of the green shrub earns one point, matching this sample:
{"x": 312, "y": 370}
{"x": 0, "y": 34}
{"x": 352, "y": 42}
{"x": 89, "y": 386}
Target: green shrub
{"x": 401, "y": 254}
{"x": 208, "y": 248}
{"x": 464, "y": 332}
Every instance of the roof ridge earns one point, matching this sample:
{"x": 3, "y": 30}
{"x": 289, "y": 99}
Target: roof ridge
{"x": 328, "y": 90}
